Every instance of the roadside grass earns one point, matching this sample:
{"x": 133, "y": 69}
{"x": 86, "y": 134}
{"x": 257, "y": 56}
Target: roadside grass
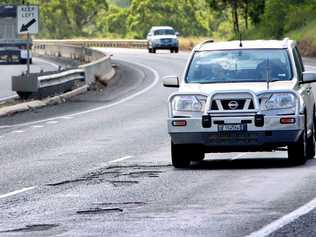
{"x": 189, "y": 43}
{"x": 306, "y": 36}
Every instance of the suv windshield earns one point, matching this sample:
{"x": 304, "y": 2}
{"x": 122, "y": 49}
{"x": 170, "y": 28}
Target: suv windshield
{"x": 246, "y": 65}
{"x": 164, "y": 32}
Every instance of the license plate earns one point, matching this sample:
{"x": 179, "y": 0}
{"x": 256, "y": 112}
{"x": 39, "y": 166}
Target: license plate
{"x": 232, "y": 127}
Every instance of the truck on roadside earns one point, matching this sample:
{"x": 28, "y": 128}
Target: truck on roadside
{"x": 13, "y": 46}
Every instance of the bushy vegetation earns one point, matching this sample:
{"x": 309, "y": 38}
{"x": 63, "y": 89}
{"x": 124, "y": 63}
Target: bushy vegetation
{"x": 218, "y": 19}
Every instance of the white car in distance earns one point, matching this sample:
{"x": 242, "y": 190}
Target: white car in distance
{"x": 162, "y": 37}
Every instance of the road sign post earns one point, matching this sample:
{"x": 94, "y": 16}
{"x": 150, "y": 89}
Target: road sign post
{"x": 28, "y": 53}
{"x": 27, "y": 23}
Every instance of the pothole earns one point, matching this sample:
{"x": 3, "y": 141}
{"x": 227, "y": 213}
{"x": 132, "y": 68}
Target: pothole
{"x": 119, "y": 175}
{"x": 100, "y": 210}
{"x": 32, "y": 228}
{"x": 120, "y": 183}
{"x": 147, "y": 173}
{"x": 66, "y": 182}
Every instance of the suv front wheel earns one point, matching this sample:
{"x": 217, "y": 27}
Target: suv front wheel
{"x": 311, "y": 142}
{"x": 183, "y": 154}
{"x": 180, "y": 156}
{"x": 298, "y": 152}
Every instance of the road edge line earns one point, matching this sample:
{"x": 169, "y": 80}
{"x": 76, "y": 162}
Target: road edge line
{"x": 36, "y": 104}
{"x": 154, "y": 83}
{"x": 285, "y": 220}
{"x": 120, "y": 159}
{"x": 16, "y": 192}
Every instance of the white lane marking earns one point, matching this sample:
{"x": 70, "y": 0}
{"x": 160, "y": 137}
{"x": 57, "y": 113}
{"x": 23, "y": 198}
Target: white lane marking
{"x": 16, "y": 192}
{"x": 120, "y": 159}
{"x": 105, "y": 164}
{"x": 48, "y": 62}
{"x": 238, "y": 156}
{"x": 67, "y": 117}
{"x": 156, "y": 80}
{"x": 285, "y": 220}
{"x": 37, "y": 126}
{"x": 52, "y": 122}
{"x": 30, "y": 188}
{"x": 18, "y": 131}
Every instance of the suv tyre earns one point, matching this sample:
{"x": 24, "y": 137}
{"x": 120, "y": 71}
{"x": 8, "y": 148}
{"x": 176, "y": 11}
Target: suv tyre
{"x": 180, "y": 156}
{"x": 297, "y": 152}
{"x": 311, "y": 143}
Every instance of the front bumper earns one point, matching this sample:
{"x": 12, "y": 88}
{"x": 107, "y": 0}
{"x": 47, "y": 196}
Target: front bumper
{"x": 271, "y": 135}
{"x": 9, "y": 52}
{"x": 170, "y": 45}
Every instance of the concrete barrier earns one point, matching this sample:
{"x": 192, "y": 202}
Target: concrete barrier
{"x": 99, "y": 43}
{"x": 45, "y": 84}
{"x": 96, "y": 64}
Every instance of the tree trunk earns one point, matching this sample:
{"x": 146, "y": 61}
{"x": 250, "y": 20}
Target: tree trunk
{"x": 246, "y": 13}
{"x": 235, "y": 16}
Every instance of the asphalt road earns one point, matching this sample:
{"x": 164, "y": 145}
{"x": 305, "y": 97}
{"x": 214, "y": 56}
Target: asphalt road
{"x": 9, "y": 70}
{"x": 99, "y": 165}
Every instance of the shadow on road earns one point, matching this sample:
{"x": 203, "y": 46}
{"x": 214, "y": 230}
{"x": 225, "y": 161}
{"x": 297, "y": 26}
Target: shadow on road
{"x": 262, "y": 163}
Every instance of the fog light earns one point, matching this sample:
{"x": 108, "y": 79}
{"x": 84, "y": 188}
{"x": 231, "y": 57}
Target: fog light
{"x": 259, "y": 120}
{"x": 287, "y": 120}
{"x": 206, "y": 121}
{"x": 179, "y": 123}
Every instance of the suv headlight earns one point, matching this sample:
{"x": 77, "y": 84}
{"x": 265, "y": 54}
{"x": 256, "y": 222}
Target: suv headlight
{"x": 280, "y": 102}
{"x": 188, "y": 103}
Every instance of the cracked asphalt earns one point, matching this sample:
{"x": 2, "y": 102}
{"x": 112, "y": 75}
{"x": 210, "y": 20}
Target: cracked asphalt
{"x": 99, "y": 165}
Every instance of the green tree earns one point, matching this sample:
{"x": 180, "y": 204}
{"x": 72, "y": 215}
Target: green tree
{"x": 256, "y": 10}
{"x": 186, "y": 16}
{"x": 69, "y": 18}
{"x": 248, "y": 9}
{"x": 274, "y": 17}
{"x": 117, "y": 20}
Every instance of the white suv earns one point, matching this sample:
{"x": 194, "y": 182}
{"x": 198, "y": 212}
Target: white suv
{"x": 162, "y": 37}
{"x": 242, "y": 96}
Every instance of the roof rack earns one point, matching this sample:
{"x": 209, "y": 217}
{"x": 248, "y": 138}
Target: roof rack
{"x": 206, "y": 42}
{"x": 286, "y": 41}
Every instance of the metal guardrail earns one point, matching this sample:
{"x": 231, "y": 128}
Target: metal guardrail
{"x": 61, "y": 78}
{"x": 98, "y": 65}
{"x": 95, "y": 43}
{"x": 51, "y": 83}
{"x": 95, "y": 63}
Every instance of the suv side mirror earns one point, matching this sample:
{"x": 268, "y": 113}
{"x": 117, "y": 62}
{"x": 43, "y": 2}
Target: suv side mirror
{"x": 177, "y": 33}
{"x": 171, "y": 81}
{"x": 149, "y": 34}
{"x": 309, "y": 77}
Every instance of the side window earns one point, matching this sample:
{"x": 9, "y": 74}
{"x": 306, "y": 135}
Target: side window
{"x": 298, "y": 65}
